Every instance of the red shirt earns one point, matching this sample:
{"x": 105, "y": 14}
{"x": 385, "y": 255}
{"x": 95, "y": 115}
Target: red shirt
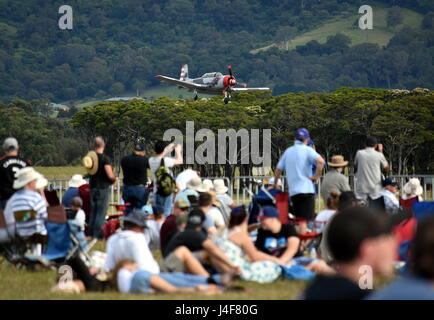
{"x": 168, "y": 229}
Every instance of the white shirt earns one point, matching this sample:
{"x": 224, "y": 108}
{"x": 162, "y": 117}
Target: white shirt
{"x": 152, "y": 234}
{"x": 154, "y": 164}
{"x": 216, "y": 216}
{"x": 226, "y": 202}
{"x": 184, "y": 177}
{"x": 124, "y": 280}
{"x": 390, "y": 202}
{"x": 80, "y": 218}
{"x": 130, "y": 245}
{"x": 323, "y": 217}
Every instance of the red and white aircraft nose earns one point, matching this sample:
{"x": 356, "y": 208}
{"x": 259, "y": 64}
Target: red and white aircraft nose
{"x": 229, "y": 82}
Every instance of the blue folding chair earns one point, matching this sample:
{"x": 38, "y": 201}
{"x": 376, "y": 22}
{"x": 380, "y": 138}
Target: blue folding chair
{"x": 422, "y": 210}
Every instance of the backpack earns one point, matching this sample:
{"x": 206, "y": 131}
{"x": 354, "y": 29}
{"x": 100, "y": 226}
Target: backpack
{"x": 165, "y": 183}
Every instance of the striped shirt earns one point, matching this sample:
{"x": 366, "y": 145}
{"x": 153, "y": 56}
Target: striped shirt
{"x": 27, "y": 200}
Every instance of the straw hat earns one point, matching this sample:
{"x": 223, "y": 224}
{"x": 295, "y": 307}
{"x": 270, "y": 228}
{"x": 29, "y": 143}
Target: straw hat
{"x": 76, "y": 181}
{"x": 219, "y": 186}
{"x": 413, "y": 187}
{"x": 90, "y": 162}
{"x": 337, "y": 162}
{"x": 28, "y": 174}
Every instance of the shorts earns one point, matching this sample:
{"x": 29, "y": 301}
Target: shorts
{"x": 304, "y": 205}
{"x": 172, "y": 264}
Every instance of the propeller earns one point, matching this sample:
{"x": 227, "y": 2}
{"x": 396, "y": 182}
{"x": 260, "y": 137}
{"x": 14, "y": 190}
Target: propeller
{"x": 231, "y": 80}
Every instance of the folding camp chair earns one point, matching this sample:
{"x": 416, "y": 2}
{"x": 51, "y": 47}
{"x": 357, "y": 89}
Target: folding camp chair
{"x": 407, "y": 203}
{"x": 377, "y": 204}
{"x": 404, "y": 232}
{"x": 113, "y": 222}
{"x": 62, "y": 241}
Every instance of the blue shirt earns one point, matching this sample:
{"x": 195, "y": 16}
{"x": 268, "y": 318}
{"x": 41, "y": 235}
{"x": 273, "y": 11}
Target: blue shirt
{"x": 68, "y": 196}
{"x": 406, "y": 288}
{"x": 297, "y": 162}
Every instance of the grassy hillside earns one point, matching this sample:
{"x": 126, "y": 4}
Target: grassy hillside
{"x": 380, "y": 35}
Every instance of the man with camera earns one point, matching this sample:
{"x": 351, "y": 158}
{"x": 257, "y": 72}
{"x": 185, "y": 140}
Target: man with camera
{"x": 369, "y": 164}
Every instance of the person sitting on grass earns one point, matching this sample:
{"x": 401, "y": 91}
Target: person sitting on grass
{"x": 199, "y": 244}
{"x": 324, "y": 216}
{"x": 130, "y": 279}
{"x": 131, "y": 243}
{"x": 169, "y": 229}
{"x": 282, "y": 242}
{"x": 362, "y": 244}
{"x": 255, "y": 265}
{"x": 347, "y": 199}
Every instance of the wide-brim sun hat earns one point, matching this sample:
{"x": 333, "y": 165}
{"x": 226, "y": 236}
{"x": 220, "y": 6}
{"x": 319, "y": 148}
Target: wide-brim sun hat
{"x": 219, "y": 186}
{"x": 76, "y": 181}
{"x": 207, "y": 183}
{"x": 413, "y": 187}
{"x": 337, "y": 162}
{"x": 90, "y": 162}
{"x": 29, "y": 174}
{"x": 194, "y": 183}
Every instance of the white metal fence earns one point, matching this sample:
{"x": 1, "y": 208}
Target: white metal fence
{"x": 242, "y": 187}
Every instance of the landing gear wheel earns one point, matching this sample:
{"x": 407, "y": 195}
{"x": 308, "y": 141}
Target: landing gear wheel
{"x": 195, "y": 98}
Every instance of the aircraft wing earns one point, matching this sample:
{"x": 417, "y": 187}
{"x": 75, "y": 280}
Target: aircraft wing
{"x": 185, "y": 84}
{"x": 250, "y": 89}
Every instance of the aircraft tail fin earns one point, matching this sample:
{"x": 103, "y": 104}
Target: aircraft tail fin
{"x": 184, "y": 72}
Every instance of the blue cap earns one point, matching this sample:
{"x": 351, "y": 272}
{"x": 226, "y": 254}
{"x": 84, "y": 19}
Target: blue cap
{"x": 302, "y": 134}
{"x": 269, "y": 212}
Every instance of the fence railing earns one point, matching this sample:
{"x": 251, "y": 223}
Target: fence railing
{"x": 241, "y": 188}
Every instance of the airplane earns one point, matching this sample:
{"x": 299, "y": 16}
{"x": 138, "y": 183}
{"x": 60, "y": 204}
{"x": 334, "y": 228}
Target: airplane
{"x": 214, "y": 83}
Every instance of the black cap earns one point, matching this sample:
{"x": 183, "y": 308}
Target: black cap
{"x": 139, "y": 147}
{"x": 389, "y": 182}
{"x": 195, "y": 219}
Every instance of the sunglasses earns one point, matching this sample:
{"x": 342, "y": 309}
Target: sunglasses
{"x": 184, "y": 209}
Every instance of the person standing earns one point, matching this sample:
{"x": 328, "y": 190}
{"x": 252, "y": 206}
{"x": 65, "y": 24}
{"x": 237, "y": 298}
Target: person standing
{"x": 369, "y": 162}
{"x": 297, "y": 162}
{"x": 10, "y": 164}
{"x": 160, "y": 160}
{"x": 101, "y": 173}
{"x": 135, "y": 168}
{"x": 334, "y": 180}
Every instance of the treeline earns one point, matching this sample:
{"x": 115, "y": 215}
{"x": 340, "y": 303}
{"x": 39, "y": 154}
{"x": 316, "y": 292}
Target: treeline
{"x": 339, "y": 122}
{"x": 118, "y": 46}
{"x": 43, "y": 140}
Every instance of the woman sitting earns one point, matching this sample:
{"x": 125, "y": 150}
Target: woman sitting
{"x": 255, "y": 265}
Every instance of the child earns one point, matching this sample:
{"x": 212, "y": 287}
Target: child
{"x": 76, "y": 220}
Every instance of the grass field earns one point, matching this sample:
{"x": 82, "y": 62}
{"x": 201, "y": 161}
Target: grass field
{"x": 380, "y": 35}
{"x": 60, "y": 172}
{"x": 23, "y": 284}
